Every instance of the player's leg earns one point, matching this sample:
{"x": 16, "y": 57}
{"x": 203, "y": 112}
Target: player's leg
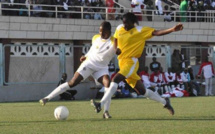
{"x": 82, "y": 73}
{"x": 139, "y": 87}
{"x": 127, "y": 67}
{"x": 109, "y": 93}
{"x": 112, "y": 88}
{"x": 102, "y": 76}
{"x": 77, "y": 78}
{"x": 105, "y": 81}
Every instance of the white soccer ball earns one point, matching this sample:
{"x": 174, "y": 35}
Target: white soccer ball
{"x": 61, "y": 113}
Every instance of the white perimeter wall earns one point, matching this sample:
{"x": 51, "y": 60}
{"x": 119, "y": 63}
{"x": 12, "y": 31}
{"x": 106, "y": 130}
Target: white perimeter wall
{"x": 78, "y": 29}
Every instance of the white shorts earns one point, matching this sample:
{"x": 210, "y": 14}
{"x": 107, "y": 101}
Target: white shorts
{"x": 86, "y": 69}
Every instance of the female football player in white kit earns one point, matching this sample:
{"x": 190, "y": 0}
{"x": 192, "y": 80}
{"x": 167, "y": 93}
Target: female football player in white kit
{"x": 94, "y": 63}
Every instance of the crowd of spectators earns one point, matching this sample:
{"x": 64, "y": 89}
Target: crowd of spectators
{"x": 179, "y": 80}
{"x": 73, "y": 6}
{"x": 171, "y": 83}
{"x": 93, "y": 10}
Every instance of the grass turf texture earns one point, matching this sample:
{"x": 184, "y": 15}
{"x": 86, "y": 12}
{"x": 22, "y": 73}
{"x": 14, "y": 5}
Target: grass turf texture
{"x": 192, "y": 115}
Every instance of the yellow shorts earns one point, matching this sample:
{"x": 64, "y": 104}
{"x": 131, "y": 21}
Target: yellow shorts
{"x": 128, "y": 68}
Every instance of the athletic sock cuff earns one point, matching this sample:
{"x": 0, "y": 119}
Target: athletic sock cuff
{"x": 146, "y": 93}
{"x": 113, "y": 84}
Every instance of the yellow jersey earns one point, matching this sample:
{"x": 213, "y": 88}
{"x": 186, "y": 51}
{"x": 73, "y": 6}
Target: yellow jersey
{"x": 132, "y": 42}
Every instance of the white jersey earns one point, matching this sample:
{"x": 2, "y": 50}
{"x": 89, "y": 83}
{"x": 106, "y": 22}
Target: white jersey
{"x": 170, "y": 77}
{"x": 101, "y": 51}
{"x": 207, "y": 68}
{"x": 137, "y": 9}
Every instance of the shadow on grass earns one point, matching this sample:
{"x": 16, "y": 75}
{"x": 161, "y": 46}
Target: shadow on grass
{"x": 8, "y": 123}
{"x": 172, "y": 119}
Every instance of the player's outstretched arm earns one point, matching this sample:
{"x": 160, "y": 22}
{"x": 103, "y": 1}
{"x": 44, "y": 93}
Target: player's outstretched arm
{"x": 176, "y": 28}
{"x": 83, "y": 58}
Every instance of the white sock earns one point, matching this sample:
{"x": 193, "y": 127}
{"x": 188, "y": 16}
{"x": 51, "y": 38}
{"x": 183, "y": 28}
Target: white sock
{"x": 60, "y": 89}
{"x": 107, "y": 104}
{"x": 107, "y": 96}
{"x": 153, "y": 96}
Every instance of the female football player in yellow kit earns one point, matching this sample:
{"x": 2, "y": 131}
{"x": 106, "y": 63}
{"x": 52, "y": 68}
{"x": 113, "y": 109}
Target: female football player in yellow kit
{"x": 130, "y": 42}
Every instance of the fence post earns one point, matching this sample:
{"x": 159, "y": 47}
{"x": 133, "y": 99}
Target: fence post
{"x": 62, "y": 59}
{"x": 29, "y": 10}
{"x": 175, "y": 16}
{"x": 56, "y": 11}
{"x": 213, "y": 56}
{"x": 106, "y": 13}
{"x": 0, "y": 9}
{"x": 168, "y": 57}
{"x": 82, "y": 12}
{"x": 1, "y": 65}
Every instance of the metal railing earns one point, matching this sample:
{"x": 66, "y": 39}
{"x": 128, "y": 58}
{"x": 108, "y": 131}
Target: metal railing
{"x": 80, "y": 12}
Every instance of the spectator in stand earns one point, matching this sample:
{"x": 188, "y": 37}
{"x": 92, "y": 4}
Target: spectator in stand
{"x": 154, "y": 80}
{"x": 163, "y": 80}
{"x": 22, "y": 8}
{"x": 155, "y": 65}
{"x": 208, "y": 71}
{"x": 167, "y": 14}
{"x": 68, "y": 94}
{"x": 193, "y": 81}
{"x": 88, "y": 10}
{"x": 213, "y": 4}
{"x": 183, "y": 60}
{"x": 144, "y": 75}
{"x": 170, "y": 78}
{"x": 111, "y": 10}
{"x": 179, "y": 79}
{"x": 97, "y": 15}
{"x": 149, "y": 6}
{"x": 192, "y": 8}
{"x": 11, "y": 5}
{"x": 64, "y": 4}
{"x": 37, "y": 12}
{"x": 157, "y": 81}
{"x": 158, "y": 5}
{"x": 187, "y": 82}
{"x": 176, "y": 61}
{"x": 100, "y": 4}
{"x": 137, "y": 6}
{"x": 183, "y": 10}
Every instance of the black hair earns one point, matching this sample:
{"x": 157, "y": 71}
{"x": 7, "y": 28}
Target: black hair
{"x": 131, "y": 17}
{"x": 106, "y": 25}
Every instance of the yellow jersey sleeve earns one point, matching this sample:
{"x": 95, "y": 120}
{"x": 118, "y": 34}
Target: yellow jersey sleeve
{"x": 147, "y": 32}
{"x": 116, "y": 34}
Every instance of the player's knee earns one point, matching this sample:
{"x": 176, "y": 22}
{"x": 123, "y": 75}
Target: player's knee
{"x": 142, "y": 91}
{"x": 73, "y": 83}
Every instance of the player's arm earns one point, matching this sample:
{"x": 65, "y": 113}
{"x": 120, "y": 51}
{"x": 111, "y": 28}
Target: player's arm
{"x": 176, "y": 28}
{"x": 118, "y": 51}
{"x": 83, "y": 58}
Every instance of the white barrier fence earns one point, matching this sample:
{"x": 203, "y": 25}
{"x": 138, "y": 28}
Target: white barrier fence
{"x": 81, "y": 11}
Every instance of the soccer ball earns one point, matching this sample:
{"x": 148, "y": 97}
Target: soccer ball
{"x": 61, "y": 113}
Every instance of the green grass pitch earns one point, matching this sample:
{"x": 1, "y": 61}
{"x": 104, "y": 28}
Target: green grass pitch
{"x": 193, "y": 115}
